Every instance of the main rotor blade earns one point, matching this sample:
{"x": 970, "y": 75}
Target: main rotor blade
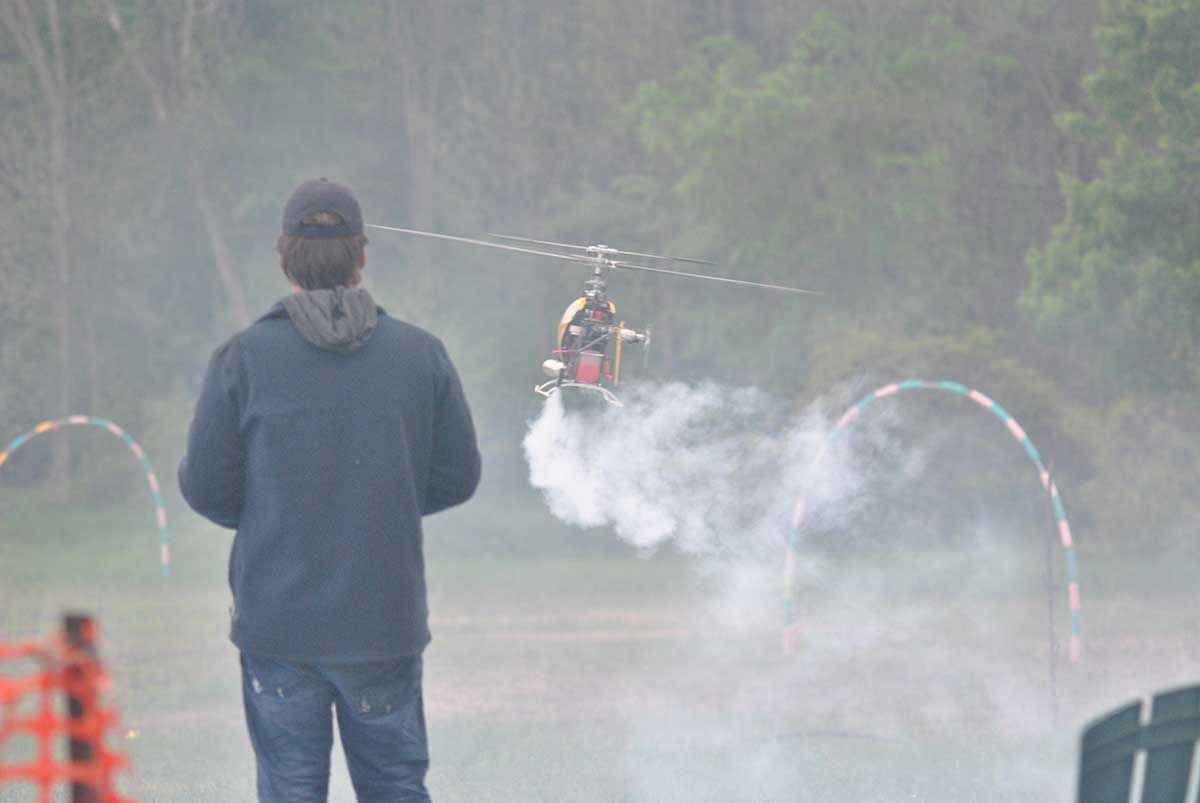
{"x": 606, "y": 251}
{"x": 536, "y": 242}
{"x": 629, "y": 266}
{"x": 670, "y": 259}
{"x": 568, "y": 257}
{"x": 579, "y": 258}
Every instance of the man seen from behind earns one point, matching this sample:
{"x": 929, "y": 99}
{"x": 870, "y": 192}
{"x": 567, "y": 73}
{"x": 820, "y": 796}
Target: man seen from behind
{"x": 323, "y": 434}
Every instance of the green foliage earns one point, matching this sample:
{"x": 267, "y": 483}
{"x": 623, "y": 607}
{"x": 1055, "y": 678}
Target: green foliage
{"x": 900, "y": 155}
{"x": 1143, "y": 456}
{"x": 878, "y": 156}
{"x": 1123, "y": 465}
{"x": 1119, "y": 281}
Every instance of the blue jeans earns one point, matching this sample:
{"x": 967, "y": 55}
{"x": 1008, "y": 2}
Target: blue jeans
{"x": 381, "y": 721}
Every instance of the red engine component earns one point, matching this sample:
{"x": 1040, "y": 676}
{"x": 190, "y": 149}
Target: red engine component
{"x": 588, "y": 369}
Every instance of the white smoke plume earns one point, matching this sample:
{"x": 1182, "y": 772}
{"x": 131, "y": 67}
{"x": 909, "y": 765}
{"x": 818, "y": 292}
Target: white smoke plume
{"x": 711, "y": 469}
{"x": 899, "y": 654}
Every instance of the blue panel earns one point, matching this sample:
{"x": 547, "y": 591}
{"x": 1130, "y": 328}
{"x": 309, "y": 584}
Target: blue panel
{"x": 954, "y": 387}
{"x": 1072, "y": 568}
{"x": 911, "y": 384}
{"x": 1032, "y": 451}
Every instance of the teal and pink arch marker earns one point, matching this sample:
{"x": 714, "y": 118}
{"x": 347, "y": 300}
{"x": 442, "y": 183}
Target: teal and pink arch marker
{"x": 160, "y": 511}
{"x": 1014, "y": 429}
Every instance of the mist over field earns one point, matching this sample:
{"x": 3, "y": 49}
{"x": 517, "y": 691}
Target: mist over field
{"x": 905, "y": 637}
{"x": 999, "y": 194}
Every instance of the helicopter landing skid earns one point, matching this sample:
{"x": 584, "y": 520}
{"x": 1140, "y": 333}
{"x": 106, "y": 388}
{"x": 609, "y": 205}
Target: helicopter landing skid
{"x": 548, "y": 389}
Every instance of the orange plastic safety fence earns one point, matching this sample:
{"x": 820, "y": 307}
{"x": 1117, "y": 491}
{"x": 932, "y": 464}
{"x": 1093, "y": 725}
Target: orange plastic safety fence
{"x": 65, "y": 672}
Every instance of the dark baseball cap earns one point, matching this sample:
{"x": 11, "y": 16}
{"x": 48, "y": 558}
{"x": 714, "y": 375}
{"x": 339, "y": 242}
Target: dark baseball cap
{"x": 322, "y": 195}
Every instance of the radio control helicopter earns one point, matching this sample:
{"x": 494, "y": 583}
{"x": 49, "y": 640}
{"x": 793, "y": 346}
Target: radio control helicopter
{"x": 590, "y": 337}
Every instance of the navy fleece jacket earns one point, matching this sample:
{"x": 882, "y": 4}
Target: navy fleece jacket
{"x": 324, "y": 463}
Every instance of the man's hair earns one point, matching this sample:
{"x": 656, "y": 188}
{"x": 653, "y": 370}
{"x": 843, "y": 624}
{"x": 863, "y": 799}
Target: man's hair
{"x": 322, "y": 263}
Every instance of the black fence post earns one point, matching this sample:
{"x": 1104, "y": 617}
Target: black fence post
{"x": 80, "y": 633}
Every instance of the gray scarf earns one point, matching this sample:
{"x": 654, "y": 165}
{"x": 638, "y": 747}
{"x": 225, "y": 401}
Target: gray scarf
{"x": 342, "y": 319}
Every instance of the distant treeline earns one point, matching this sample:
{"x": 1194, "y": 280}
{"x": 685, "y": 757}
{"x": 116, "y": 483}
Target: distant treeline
{"x": 1001, "y": 192}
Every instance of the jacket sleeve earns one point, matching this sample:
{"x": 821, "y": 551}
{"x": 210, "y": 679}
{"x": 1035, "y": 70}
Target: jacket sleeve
{"x": 213, "y": 472}
{"x": 455, "y": 466}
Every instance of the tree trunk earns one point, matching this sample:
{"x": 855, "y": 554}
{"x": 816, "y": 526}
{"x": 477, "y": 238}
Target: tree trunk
{"x": 40, "y": 43}
{"x": 417, "y": 53}
{"x": 185, "y": 80}
{"x": 61, "y": 254}
{"x": 198, "y": 184}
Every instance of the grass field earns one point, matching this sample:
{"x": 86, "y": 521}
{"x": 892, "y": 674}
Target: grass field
{"x": 602, "y": 677}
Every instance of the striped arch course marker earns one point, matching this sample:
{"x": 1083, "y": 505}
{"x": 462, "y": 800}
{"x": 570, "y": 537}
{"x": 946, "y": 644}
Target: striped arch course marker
{"x": 1014, "y": 429}
{"x": 160, "y": 512}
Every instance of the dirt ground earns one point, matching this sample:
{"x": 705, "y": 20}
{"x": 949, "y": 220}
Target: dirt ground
{"x": 919, "y": 677}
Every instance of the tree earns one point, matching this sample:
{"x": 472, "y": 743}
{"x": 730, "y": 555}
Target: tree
{"x": 38, "y": 36}
{"x": 187, "y": 39}
{"x": 1119, "y": 282}
{"x": 898, "y": 158}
